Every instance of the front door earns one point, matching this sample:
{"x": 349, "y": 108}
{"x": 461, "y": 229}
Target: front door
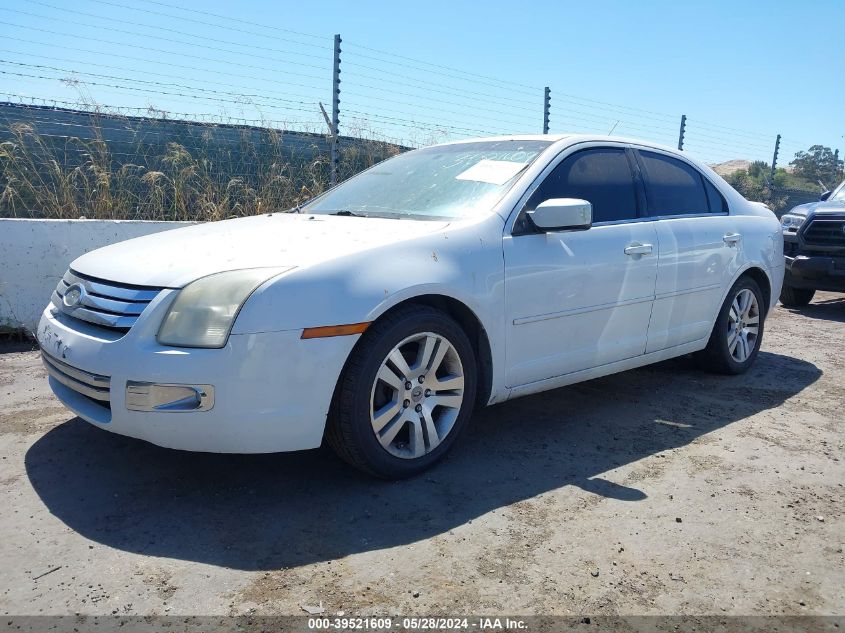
{"x": 580, "y": 299}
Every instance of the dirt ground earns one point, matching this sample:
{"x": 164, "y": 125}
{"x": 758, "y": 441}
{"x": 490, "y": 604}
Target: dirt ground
{"x": 662, "y": 490}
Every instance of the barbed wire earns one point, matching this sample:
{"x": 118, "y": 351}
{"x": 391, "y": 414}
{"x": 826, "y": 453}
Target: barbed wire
{"x": 311, "y": 35}
{"x": 162, "y": 63}
{"x": 147, "y": 81}
{"x": 171, "y": 40}
{"x": 439, "y": 98}
{"x": 140, "y": 135}
{"x": 166, "y": 52}
{"x": 194, "y": 82}
{"x": 251, "y": 45}
{"x": 224, "y": 110}
{"x": 203, "y": 121}
{"x": 438, "y": 87}
{"x": 167, "y": 93}
{"x": 239, "y": 20}
{"x": 227, "y": 26}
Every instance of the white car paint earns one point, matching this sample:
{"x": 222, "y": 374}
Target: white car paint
{"x": 273, "y": 389}
{"x": 580, "y": 283}
{"x": 280, "y": 239}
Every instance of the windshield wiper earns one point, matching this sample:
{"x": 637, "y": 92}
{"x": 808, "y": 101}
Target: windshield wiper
{"x": 346, "y": 213}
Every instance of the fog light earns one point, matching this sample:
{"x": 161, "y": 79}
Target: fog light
{"x": 150, "y": 396}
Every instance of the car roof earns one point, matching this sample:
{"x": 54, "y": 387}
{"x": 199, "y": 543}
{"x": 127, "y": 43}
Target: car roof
{"x": 508, "y": 137}
{"x": 570, "y": 139}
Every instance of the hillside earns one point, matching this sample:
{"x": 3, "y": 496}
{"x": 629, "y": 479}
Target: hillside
{"x": 730, "y": 166}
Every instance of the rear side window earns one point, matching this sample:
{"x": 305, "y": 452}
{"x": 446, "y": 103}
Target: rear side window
{"x": 602, "y": 176}
{"x": 715, "y": 199}
{"x": 673, "y": 187}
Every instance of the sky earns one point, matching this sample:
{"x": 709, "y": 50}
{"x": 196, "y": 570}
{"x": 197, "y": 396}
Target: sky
{"x": 742, "y": 72}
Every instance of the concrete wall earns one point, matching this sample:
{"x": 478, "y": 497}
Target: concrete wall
{"x": 34, "y": 254}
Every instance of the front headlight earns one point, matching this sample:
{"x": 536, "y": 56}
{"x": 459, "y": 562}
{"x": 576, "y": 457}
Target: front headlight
{"x": 791, "y": 222}
{"x": 204, "y": 311}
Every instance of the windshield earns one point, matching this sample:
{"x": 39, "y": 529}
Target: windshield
{"x": 447, "y": 181}
{"x": 839, "y": 193}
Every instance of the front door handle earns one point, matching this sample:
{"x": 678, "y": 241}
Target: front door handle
{"x": 639, "y": 249}
{"x": 732, "y": 239}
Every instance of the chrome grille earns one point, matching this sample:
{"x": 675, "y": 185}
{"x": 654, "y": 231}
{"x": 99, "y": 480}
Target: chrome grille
{"x": 91, "y": 385}
{"x": 104, "y": 303}
{"x": 825, "y": 233}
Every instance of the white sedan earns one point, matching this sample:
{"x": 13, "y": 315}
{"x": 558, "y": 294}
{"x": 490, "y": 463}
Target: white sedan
{"x": 380, "y": 314}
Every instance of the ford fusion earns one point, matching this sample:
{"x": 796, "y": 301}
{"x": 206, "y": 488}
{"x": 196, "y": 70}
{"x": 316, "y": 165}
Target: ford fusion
{"x": 380, "y": 314}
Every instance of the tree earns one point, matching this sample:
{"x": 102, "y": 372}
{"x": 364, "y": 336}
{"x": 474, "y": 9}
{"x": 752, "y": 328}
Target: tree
{"x": 753, "y": 183}
{"x": 819, "y": 163}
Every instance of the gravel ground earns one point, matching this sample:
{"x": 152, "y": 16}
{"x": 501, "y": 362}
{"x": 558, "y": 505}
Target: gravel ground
{"x": 656, "y": 491}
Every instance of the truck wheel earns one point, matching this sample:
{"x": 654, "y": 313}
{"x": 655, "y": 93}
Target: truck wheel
{"x": 796, "y": 297}
{"x": 738, "y": 330}
{"x": 406, "y": 393}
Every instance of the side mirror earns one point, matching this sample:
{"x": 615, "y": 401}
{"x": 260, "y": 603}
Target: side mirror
{"x": 560, "y": 214}
{"x": 825, "y": 196}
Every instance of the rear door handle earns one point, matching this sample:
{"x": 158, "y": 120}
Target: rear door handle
{"x": 732, "y": 239}
{"x": 639, "y": 249}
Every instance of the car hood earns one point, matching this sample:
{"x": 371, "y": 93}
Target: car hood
{"x": 827, "y": 206}
{"x": 176, "y": 257}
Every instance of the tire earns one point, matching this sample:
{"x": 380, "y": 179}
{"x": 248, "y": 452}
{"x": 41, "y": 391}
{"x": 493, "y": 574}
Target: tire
{"x": 727, "y": 353}
{"x": 793, "y": 297}
{"x": 414, "y": 429}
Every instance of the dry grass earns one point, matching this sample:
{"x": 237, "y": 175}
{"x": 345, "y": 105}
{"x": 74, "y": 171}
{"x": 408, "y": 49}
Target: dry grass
{"x": 216, "y": 173}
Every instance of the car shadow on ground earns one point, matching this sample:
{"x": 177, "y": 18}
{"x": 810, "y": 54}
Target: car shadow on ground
{"x": 827, "y": 309}
{"x": 266, "y": 512}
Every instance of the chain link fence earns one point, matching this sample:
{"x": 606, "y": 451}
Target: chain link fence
{"x": 788, "y": 198}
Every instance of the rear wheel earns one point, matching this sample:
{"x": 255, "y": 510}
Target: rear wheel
{"x": 796, "y": 297}
{"x": 738, "y": 331}
{"x": 405, "y": 394}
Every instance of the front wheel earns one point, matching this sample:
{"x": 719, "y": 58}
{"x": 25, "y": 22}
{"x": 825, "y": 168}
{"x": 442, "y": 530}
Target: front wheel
{"x": 796, "y": 297}
{"x": 738, "y": 331}
{"x": 405, "y": 395}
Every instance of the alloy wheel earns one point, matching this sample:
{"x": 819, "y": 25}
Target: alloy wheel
{"x": 743, "y": 325}
{"x": 417, "y": 395}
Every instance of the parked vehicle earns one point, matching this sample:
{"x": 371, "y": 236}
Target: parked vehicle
{"x": 814, "y": 248}
{"x": 381, "y": 313}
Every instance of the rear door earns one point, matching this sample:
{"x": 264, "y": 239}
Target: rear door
{"x": 698, "y": 244}
{"x": 579, "y": 299}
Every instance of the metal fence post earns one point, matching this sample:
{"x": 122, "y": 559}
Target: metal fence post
{"x": 682, "y": 132}
{"x": 775, "y": 158}
{"x": 335, "y": 112}
{"x": 547, "y": 104}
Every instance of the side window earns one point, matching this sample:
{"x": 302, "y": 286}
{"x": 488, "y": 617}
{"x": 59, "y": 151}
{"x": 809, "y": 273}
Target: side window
{"x": 672, "y": 186}
{"x": 715, "y": 199}
{"x": 602, "y": 176}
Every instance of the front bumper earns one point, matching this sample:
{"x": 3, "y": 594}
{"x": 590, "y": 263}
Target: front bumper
{"x": 815, "y": 272}
{"x": 272, "y": 390}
